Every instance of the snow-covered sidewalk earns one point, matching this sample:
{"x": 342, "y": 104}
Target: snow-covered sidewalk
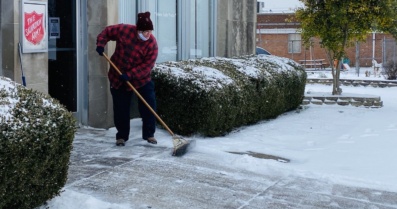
{"x": 144, "y": 176}
{"x": 339, "y": 157}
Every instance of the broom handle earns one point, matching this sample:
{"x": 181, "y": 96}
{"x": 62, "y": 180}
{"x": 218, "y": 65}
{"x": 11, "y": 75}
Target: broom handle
{"x": 140, "y": 97}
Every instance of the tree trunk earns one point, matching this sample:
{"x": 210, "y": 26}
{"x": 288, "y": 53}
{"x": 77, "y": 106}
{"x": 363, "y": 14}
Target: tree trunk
{"x": 336, "y": 90}
{"x": 358, "y": 58}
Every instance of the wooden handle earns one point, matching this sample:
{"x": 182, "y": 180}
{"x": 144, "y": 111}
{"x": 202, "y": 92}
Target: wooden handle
{"x": 140, "y": 97}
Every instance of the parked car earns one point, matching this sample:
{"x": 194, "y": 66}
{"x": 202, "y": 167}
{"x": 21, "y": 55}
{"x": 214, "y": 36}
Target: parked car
{"x": 260, "y": 50}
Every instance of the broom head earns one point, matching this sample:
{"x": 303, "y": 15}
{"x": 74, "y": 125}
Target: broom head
{"x": 181, "y": 145}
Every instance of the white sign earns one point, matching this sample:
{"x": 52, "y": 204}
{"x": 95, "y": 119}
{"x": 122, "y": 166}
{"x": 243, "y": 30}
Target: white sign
{"x": 34, "y": 26}
{"x": 54, "y": 26}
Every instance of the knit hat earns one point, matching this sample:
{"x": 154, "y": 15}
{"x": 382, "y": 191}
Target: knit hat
{"x": 144, "y": 23}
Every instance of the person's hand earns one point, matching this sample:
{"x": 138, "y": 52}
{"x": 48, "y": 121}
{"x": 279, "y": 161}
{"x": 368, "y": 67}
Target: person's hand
{"x": 124, "y": 77}
{"x": 100, "y": 50}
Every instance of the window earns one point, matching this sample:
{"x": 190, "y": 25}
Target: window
{"x": 183, "y": 28}
{"x": 195, "y": 23}
{"x": 164, "y": 17}
{"x": 199, "y": 27}
{"x": 294, "y": 43}
{"x": 125, "y": 14}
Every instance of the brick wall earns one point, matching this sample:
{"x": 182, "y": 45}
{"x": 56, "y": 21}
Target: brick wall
{"x": 275, "y": 20}
{"x": 277, "y": 43}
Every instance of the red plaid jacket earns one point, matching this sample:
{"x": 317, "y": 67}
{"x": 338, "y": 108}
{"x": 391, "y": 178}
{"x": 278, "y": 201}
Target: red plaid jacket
{"x": 132, "y": 56}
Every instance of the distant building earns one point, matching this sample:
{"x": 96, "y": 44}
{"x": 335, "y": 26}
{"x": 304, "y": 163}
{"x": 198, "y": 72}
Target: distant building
{"x": 282, "y": 38}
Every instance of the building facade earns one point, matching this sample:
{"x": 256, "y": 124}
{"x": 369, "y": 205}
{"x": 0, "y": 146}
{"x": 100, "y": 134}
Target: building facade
{"x": 281, "y": 37}
{"x": 68, "y": 67}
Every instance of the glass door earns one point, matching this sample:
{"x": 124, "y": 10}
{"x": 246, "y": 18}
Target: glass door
{"x": 62, "y": 59}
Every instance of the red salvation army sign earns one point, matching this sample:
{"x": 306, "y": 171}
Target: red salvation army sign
{"x": 34, "y": 27}
{"x": 34, "y": 32}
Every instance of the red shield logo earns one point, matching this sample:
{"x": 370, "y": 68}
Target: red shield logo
{"x": 34, "y": 27}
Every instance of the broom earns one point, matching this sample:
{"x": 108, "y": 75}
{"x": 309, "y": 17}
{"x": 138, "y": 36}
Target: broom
{"x": 20, "y": 60}
{"x": 181, "y": 145}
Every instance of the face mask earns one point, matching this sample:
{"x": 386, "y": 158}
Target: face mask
{"x": 143, "y": 38}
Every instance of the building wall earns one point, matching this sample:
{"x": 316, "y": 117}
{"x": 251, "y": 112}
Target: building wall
{"x": 35, "y": 65}
{"x": 100, "y": 13}
{"x": 9, "y": 31}
{"x": 1, "y": 40}
{"x": 236, "y": 27}
{"x": 276, "y": 20}
{"x": 276, "y": 41}
{"x": 235, "y": 35}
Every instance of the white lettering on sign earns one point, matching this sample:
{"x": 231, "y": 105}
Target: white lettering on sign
{"x": 34, "y": 30}
{"x": 35, "y": 26}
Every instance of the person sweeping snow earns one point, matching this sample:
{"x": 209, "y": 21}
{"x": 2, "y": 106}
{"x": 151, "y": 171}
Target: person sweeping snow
{"x": 135, "y": 54}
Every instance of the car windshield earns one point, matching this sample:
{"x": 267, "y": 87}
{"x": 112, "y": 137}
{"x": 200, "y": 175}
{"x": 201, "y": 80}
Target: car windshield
{"x": 260, "y": 50}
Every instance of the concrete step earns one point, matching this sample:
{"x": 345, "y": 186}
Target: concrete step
{"x": 344, "y": 100}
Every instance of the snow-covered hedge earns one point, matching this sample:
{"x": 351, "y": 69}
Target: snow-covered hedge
{"x": 36, "y": 135}
{"x": 212, "y": 96}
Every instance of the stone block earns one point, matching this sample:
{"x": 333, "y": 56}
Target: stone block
{"x": 368, "y": 103}
{"x": 356, "y": 103}
{"x": 364, "y": 83}
{"x": 372, "y": 99}
{"x": 329, "y": 102}
{"x": 343, "y": 102}
{"x": 319, "y": 98}
{"x": 359, "y": 99}
{"x": 331, "y": 98}
{"x": 345, "y": 98}
{"x": 356, "y": 83}
{"x": 382, "y": 85}
{"x": 317, "y": 102}
{"x": 374, "y": 84}
{"x": 305, "y": 102}
{"x": 378, "y": 104}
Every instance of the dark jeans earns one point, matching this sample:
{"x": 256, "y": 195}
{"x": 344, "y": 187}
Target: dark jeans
{"x": 121, "y": 109}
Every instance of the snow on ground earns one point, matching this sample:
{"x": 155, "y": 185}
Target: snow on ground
{"x": 351, "y": 73}
{"x": 74, "y": 200}
{"x": 343, "y": 144}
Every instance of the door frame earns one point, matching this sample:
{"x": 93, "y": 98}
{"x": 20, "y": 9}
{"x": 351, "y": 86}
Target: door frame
{"x": 82, "y": 62}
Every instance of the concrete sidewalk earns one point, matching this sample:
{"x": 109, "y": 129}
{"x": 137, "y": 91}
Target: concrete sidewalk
{"x": 147, "y": 176}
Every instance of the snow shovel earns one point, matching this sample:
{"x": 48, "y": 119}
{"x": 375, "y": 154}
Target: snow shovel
{"x": 181, "y": 145}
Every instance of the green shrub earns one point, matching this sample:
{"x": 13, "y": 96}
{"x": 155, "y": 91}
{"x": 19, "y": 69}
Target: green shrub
{"x": 212, "y": 96}
{"x": 36, "y": 135}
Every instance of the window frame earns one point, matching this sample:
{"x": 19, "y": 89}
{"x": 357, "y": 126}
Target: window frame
{"x": 294, "y": 43}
